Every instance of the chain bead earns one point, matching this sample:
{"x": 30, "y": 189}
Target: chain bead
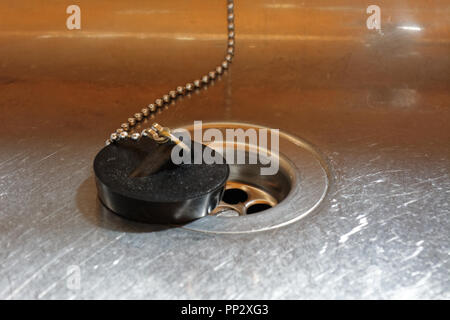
{"x": 166, "y": 98}
{"x": 230, "y": 7}
{"x": 231, "y": 17}
{"x": 180, "y": 90}
{"x": 123, "y": 135}
{"x": 139, "y": 116}
{"x": 145, "y": 112}
{"x": 231, "y": 34}
{"x": 225, "y": 64}
{"x": 173, "y": 94}
{"x": 219, "y": 70}
{"x": 189, "y": 86}
{"x": 230, "y": 51}
{"x": 197, "y": 83}
{"x": 135, "y": 136}
{"x": 114, "y": 136}
{"x": 212, "y": 75}
{"x": 107, "y": 142}
{"x": 228, "y": 57}
{"x": 152, "y": 107}
{"x": 205, "y": 79}
{"x": 132, "y": 121}
{"x": 119, "y": 130}
{"x": 125, "y": 126}
{"x": 231, "y": 26}
{"x": 159, "y": 103}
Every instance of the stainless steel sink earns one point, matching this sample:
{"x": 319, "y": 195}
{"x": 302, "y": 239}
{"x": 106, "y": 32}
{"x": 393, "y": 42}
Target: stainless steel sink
{"x": 374, "y": 106}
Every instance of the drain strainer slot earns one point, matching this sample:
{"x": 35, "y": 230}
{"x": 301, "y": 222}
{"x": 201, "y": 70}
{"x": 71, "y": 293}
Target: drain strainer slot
{"x": 253, "y": 202}
{"x": 258, "y": 207}
{"x": 234, "y": 196}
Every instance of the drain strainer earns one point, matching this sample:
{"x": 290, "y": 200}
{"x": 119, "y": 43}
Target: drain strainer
{"x": 255, "y": 202}
{"x": 242, "y": 198}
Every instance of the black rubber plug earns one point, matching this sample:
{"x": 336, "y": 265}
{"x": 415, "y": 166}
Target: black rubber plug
{"x": 137, "y": 180}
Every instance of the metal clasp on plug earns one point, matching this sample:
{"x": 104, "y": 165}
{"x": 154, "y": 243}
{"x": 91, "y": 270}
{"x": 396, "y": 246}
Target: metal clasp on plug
{"x": 163, "y": 134}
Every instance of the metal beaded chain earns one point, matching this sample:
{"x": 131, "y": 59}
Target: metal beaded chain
{"x": 156, "y": 131}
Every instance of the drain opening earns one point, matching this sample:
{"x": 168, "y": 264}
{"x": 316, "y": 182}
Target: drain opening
{"x": 247, "y": 190}
{"x": 258, "y": 208}
{"x": 287, "y": 197}
{"x": 234, "y": 196}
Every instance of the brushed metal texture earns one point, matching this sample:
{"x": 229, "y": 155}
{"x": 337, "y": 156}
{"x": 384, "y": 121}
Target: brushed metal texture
{"x": 377, "y": 107}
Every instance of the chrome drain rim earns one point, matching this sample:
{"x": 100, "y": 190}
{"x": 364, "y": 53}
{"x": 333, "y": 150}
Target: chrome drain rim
{"x": 309, "y": 177}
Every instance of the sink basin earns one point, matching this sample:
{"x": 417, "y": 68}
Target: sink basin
{"x": 374, "y": 104}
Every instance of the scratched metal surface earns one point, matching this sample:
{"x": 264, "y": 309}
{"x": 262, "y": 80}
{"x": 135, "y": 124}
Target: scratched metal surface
{"x": 375, "y": 105}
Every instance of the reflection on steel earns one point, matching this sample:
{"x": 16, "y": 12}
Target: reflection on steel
{"x": 410, "y": 28}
